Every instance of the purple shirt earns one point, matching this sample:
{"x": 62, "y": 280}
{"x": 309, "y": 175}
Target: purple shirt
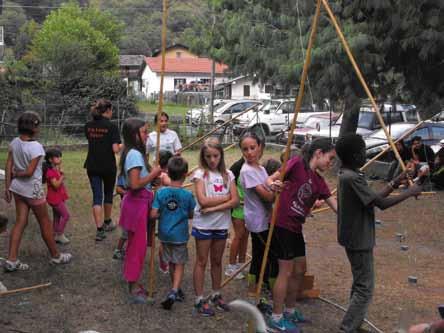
{"x": 256, "y": 212}
{"x": 304, "y": 186}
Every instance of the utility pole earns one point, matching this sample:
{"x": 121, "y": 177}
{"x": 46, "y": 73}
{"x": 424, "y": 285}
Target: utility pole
{"x": 213, "y": 75}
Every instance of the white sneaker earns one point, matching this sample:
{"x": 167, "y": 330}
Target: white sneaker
{"x": 2, "y": 288}
{"x": 64, "y": 258}
{"x": 241, "y": 275}
{"x": 230, "y": 269}
{"x": 61, "y": 239}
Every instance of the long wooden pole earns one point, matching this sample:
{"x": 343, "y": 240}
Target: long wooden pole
{"x": 22, "y": 290}
{"x": 217, "y": 128}
{"x": 289, "y": 141}
{"x": 159, "y": 111}
{"x": 363, "y": 82}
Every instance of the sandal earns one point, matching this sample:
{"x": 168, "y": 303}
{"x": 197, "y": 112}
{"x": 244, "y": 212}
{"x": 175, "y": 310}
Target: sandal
{"x": 12, "y": 266}
{"x": 63, "y": 258}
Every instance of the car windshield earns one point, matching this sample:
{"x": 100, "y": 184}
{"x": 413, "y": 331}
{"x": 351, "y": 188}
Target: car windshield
{"x": 365, "y": 119}
{"x": 270, "y": 105}
{"x": 313, "y": 121}
{"x": 395, "y": 132}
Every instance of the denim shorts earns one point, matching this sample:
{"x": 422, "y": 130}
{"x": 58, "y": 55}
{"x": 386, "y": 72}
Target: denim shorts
{"x": 102, "y": 187}
{"x": 205, "y": 234}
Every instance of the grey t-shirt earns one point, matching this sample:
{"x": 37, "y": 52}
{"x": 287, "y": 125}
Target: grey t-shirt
{"x": 356, "y": 216}
{"x": 23, "y": 152}
{"x": 256, "y": 212}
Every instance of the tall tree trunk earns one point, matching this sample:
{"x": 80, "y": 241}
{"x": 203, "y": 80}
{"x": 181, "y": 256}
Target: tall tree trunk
{"x": 351, "y": 115}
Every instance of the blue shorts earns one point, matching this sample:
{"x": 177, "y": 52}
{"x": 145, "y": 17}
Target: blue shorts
{"x": 204, "y": 234}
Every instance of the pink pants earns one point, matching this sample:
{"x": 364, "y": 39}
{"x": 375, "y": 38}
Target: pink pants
{"x": 61, "y": 217}
{"x": 135, "y": 253}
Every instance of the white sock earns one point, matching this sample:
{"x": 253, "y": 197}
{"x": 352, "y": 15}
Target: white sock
{"x": 198, "y": 299}
{"x": 215, "y": 293}
{"x": 276, "y": 316}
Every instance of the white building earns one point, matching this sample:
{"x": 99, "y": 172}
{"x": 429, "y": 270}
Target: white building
{"x": 244, "y": 87}
{"x": 183, "y": 71}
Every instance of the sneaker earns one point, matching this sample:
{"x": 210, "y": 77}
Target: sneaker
{"x": 63, "y": 258}
{"x": 109, "y": 226}
{"x": 180, "y": 296}
{"x": 119, "y": 254}
{"x": 230, "y": 269}
{"x": 241, "y": 275}
{"x": 61, "y": 239}
{"x": 137, "y": 298}
{"x": 100, "y": 235}
{"x": 295, "y": 317}
{"x": 12, "y": 266}
{"x": 219, "y": 303}
{"x": 167, "y": 304}
{"x": 204, "y": 309}
{"x": 282, "y": 325}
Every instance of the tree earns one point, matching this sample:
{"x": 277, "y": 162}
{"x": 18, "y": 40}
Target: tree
{"x": 268, "y": 38}
{"x": 12, "y": 19}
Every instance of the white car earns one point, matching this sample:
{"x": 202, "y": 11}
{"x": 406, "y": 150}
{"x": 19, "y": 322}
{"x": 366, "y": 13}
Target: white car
{"x": 271, "y": 119}
{"x": 368, "y": 121}
{"x": 194, "y": 115}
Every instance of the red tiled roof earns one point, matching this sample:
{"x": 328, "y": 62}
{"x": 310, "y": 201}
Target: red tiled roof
{"x": 184, "y": 65}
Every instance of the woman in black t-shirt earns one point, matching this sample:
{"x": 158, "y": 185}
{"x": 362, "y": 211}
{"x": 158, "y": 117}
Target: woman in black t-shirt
{"x": 103, "y": 143}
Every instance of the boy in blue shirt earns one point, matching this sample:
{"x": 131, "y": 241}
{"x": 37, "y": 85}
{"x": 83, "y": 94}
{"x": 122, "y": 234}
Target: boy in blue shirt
{"x": 173, "y": 206}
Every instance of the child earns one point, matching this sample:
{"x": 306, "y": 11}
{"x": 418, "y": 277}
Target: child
{"x": 173, "y": 206}
{"x": 303, "y": 186}
{"x": 24, "y": 181}
{"x": 258, "y": 199}
{"x": 164, "y": 180}
{"x": 356, "y": 223}
{"x": 3, "y": 225}
{"x": 136, "y": 203}
{"x": 119, "y": 252}
{"x": 216, "y": 194}
{"x": 57, "y": 195}
{"x": 239, "y": 244}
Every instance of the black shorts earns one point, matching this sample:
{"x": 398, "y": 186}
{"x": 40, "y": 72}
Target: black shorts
{"x": 287, "y": 245}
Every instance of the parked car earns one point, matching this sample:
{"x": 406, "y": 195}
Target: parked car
{"x": 305, "y": 132}
{"x": 368, "y": 121}
{"x": 273, "y": 120}
{"x": 430, "y": 132}
{"x": 194, "y": 115}
{"x": 232, "y": 108}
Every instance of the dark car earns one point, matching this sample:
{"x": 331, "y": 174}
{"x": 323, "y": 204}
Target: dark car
{"x": 430, "y": 132}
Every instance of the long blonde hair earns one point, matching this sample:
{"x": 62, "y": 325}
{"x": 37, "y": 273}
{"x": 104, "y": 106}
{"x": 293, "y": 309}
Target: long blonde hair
{"x": 215, "y": 144}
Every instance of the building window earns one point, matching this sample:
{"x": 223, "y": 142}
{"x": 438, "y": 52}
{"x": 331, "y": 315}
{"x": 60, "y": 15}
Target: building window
{"x": 246, "y": 91}
{"x": 205, "y": 81}
{"x": 268, "y": 89}
{"x": 179, "y": 83}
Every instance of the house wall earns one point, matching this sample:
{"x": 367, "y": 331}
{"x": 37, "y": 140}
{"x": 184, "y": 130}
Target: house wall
{"x": 151, "y": 80}
{"x": 257, "y": 91}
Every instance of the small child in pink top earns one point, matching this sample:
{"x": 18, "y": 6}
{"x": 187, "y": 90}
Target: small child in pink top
{"x": 56, "y": 195}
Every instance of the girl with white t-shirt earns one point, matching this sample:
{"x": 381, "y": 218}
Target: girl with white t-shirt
{"x": 24, "y": 181}
{"x": 258, "y": 199}
{"x": 216, "y": 195}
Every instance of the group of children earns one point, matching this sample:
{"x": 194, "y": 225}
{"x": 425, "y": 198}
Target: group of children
{"x": 217, "y": 193}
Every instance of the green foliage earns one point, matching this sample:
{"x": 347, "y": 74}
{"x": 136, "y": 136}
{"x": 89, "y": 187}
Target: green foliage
{"x": 12, "y": 19}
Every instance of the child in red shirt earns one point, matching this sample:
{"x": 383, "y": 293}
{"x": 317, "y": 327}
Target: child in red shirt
{"x": 56, "y": 195}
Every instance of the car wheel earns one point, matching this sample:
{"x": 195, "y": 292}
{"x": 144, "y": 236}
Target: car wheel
{"x": 261, "y": 129}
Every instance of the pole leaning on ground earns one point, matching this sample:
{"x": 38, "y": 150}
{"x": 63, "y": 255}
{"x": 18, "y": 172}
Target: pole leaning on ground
{"x": 159, "y": 111}
{"x": 289, "y": 141}
{"x": 362, "y": 80}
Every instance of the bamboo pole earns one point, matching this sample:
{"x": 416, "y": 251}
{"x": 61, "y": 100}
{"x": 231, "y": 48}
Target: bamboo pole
{"x": 151, "y": 281}
{"x": 217, "y": 128}
{"x": 363, "y": 83}
{"x": 22, "y": 290}
{"x": 289, "y": 141}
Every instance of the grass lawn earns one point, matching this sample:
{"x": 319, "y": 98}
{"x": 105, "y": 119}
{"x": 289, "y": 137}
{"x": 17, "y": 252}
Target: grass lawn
{"x": 171, "y": 109}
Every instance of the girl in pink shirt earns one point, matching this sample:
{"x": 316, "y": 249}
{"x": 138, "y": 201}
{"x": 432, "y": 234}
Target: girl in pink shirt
{"x": 56, "y": 195}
